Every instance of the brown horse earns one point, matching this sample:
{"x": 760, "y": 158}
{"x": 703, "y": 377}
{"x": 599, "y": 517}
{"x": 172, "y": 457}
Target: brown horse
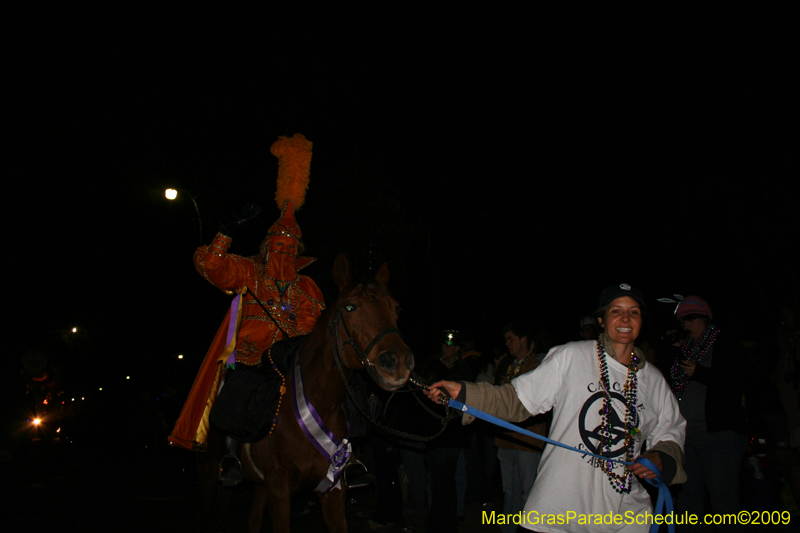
{"x": 360, "y": 330}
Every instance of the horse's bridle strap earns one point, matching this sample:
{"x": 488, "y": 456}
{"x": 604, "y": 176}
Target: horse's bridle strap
{"x": 364, "y": 356}
{"x": 378, "y": 337}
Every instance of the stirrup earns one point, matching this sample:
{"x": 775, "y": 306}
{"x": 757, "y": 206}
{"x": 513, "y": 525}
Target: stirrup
{"x": 358, "y": 477}
{"x": 230, "y": 471}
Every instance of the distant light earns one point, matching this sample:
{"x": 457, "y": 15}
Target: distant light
{"x": 171, "y": 194}
{"x": 127, "y": 377}
{"x": 37, "y": 421}
{"x": 74, "y": 330}
{"x": 73, "y": 399}
{"x": 180, "y": 357}
{"x": 101, "y": 388}
{"x": 83, "y": 397}
{"x": 58, "y": 430}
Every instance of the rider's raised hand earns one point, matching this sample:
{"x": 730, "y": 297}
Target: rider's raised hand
{"x": 230, "y": 224}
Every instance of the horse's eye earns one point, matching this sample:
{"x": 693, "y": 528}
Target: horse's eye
{"x": 349, "y": 307}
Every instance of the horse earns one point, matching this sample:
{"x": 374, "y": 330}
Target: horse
{"x": 360, "y": 330}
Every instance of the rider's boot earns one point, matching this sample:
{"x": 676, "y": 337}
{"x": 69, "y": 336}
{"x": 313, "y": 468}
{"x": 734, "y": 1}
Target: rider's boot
{"x": 230, "y": 468}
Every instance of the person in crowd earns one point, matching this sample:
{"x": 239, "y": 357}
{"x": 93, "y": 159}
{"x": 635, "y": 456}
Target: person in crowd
{"x": 708, "y": 380}
{"x": 519, "y": 455}
{"x": 468, "y": 473}
{"x": 589, "y": 328}
{"x": 470, "y": 355}
{"x": 501, "y": 363}
{"x": 485, "y": 434}
{"x": 607, "y": 400}
{"x": 785, "y": 455}
{"x": 412, "y": 454}
{"x": 388, "y": 492}
{"x": 443, "y": 452}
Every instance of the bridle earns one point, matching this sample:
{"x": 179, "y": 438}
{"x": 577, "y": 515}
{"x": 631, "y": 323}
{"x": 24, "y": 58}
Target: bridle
{"x": 333, "y": 334}
{"x": 362, "y": 356}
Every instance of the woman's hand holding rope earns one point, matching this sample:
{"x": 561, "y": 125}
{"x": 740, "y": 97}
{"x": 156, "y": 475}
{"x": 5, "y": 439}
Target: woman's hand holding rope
{"x": 642, "y": 471}
{"x": 435, "y": 394}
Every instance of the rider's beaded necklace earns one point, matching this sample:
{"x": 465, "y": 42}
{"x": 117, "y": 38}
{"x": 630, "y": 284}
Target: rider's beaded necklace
{"x": 694, "y": 353}
{"x": 620, "y": 482}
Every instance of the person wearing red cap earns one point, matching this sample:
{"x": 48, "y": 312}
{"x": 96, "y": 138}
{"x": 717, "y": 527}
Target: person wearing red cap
{"x": 707, "y": 378}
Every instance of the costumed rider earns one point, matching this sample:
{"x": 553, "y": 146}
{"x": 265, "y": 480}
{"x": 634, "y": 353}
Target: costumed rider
{"x": 272, "y": 300}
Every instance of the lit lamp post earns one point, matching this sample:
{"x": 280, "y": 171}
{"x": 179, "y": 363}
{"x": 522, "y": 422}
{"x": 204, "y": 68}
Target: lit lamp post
{"x": 73, "y": 336}
{"x": 172, "y": 194}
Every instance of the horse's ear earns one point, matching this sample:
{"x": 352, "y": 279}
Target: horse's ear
{"x": 382, "y": 276}
{"x": 341, "y": 271}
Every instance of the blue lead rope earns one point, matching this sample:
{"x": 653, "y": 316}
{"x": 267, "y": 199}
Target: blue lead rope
{"x": 664, "y": 502}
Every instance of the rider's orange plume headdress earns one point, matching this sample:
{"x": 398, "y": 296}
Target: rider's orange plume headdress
{"x": 294, "y": 167}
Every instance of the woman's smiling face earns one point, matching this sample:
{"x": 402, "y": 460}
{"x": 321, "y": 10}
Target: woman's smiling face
{"x": 623, "y": 320}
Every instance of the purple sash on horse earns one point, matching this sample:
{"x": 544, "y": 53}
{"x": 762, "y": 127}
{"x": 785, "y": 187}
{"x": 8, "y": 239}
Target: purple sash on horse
{"x": 336, "y": 451}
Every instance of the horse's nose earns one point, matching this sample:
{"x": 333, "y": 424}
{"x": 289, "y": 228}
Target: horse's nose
{"x": 387, "y": 361}
{"x": 390, "y": 361}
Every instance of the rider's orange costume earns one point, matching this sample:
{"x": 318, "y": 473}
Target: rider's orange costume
{"x": 276, "y": 301}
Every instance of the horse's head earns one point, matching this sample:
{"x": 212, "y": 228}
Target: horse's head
{"x": 365, "y": 320}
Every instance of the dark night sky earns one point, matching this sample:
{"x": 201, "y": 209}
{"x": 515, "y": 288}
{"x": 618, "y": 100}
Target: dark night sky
{"x": 505, "y": 163}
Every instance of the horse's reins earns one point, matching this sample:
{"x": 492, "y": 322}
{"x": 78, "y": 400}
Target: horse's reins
{"x": 366, "y": 363}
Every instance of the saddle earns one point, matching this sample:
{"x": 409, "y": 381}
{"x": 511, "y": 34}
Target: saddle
{"x": 246, "y": 407}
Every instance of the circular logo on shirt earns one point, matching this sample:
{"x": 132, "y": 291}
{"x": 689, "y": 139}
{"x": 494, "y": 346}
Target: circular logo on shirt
{"x": 590, "y": 424}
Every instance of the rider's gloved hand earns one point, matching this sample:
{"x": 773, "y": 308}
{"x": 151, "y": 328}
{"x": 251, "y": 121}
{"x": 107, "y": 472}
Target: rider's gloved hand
{"x": 230, "y": 224}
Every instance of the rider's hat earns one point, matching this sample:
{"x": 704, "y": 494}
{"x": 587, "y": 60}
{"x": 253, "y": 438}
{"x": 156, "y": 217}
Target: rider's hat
{"x": 294, "y": 168}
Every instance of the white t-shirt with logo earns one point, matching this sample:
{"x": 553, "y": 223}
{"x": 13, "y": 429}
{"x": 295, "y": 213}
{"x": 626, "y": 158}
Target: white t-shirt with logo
{"x": 571, "y": 484}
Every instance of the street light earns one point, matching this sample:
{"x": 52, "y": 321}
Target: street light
{"x": 172, "y": 194}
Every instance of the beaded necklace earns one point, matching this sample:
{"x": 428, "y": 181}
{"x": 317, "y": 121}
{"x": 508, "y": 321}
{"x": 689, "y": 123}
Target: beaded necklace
{"x": 620, "y": 482}
{"x": 514, "y": 370}
{"x": 694, "y": 353}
